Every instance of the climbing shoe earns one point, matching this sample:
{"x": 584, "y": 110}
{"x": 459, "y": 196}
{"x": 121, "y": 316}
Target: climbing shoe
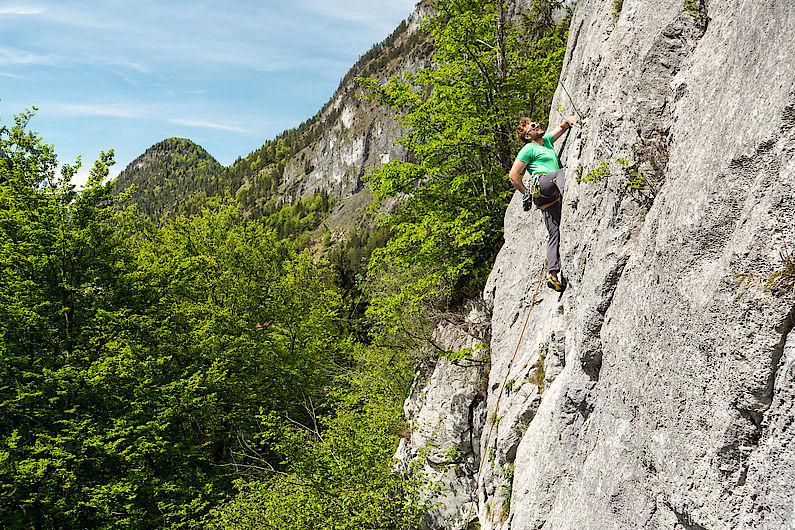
{"x": 558, "y": 286}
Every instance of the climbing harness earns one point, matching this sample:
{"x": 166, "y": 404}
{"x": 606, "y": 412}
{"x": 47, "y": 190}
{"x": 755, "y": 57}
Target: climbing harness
{"x": 547, "y": 205}
{"x": 534, "y": 191}
{"x": 499, "y": 397}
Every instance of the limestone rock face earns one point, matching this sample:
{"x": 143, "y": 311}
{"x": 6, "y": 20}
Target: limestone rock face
{"x": 364, "y": 136}
{"x": 445, "y": 413}
{"x": 656, "y": 392}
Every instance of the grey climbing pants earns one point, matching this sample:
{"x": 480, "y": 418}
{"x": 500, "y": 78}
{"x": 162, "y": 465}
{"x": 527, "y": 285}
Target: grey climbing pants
{"x": 552, "y": 186}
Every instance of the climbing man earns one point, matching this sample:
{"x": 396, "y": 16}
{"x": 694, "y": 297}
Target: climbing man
{"x": 546, "y": 184}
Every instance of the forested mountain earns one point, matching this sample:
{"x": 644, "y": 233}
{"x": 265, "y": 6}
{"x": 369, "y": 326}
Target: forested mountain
{"x": 167, "y": 174}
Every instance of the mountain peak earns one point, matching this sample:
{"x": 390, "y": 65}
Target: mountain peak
{"x": 167, "y": 174}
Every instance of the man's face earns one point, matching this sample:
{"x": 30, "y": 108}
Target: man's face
{"x": 532, "y": 130}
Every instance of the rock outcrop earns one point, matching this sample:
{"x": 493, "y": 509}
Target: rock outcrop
{"x": 446, "y": 412}
{"x": 658, "y": 391}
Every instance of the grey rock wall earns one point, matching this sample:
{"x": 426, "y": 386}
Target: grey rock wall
{"x": 445, "y": 412}
{"x": 667, "y": 394}
{"x": 363, "y": 136}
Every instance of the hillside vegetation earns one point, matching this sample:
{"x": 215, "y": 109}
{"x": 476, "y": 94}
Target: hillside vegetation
{"x": 167, "y": 174}
{"x": 180, "y": 177}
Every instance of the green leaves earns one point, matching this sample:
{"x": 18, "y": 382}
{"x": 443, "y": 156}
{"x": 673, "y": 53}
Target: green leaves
{"x": 459, "y": 116}
{"x": 131, "y": 353}
{"x": 336, "y": 470}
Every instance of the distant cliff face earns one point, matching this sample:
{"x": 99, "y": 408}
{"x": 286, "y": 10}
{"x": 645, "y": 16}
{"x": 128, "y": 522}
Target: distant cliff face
{"x": 652, "y": 394}
{"x": 358, "y": 134}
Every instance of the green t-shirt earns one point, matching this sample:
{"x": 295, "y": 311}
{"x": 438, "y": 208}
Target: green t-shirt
{"x": 540, "y": 159}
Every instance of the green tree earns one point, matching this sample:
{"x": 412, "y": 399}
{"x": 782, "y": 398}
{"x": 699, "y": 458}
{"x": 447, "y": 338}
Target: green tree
{"x": 459, "y": 116}
{"x": 136, "y": 356}
{"x": 236, "y": 330}
{"x": 64, "y": 301}
{"x": 336, "y": 470}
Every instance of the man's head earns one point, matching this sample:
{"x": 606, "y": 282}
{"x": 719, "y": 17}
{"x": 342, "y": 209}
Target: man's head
{"x": 528, "y": 130}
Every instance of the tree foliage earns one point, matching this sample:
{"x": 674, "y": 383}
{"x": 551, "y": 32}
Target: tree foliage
{"x": 459, "y": 115}
{"x": 336, "y": 470}
{"x": 135, "y": 354}
{"x": 142, "y": 361}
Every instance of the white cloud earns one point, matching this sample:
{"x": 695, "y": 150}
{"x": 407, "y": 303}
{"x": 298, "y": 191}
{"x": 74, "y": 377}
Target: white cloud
{"x": 9, "y": 56}
{"x": 110, "y": 110}
{"x": 237, "y": 55}
{"x": 21, "y": 10}
{"x": 138, "y": 111}
{"x": 88, "y": 17}
{"x": 251, "y": 35}
{"x": 360, "y": 10}
{"x": 119, "y": 61}
{"x": 207, "y": 125}
{"x": 15, "y": 56}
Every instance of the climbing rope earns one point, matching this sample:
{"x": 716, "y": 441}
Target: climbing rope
{"x": 582, "y": 118}
{"x": 563, "y": 146}
{"x": 499, "y": 397}
{"x": 566, "y": 137}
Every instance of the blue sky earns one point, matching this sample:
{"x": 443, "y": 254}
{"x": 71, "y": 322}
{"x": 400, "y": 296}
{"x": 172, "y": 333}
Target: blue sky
{"x": 228, "y": 75}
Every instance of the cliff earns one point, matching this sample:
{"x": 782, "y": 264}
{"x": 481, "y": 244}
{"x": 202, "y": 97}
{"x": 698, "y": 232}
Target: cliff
{"x": 658, "y": 391}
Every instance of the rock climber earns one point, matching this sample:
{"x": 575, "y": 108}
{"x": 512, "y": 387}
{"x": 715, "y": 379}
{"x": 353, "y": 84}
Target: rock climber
{"x": 546, "y": 184}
